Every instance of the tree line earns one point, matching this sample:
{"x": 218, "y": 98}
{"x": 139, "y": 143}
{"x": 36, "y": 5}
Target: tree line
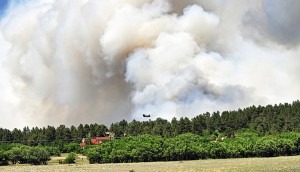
{"x": 271, "y": 119}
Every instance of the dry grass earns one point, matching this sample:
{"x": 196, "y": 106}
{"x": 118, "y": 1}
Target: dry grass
{"x": 291, "y": 163}
{"x": 80, "y": 160}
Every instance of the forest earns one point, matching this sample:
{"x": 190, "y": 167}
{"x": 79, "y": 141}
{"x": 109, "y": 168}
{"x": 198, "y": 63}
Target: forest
{"x": 255, "y": 131}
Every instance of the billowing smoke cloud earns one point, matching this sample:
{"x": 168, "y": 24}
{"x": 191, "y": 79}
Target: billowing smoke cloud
{"x": 278, "y": 21}
{"x": 88, "y": 61}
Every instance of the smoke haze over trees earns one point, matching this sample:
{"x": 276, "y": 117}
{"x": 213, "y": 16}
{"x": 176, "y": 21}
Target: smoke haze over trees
{"x": 95, "y": 61}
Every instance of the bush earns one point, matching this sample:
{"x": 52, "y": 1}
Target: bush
{"x": 71, "y": 147}
{"x": 94, "y": 155}
{"x": 70, "y": 159}
{"x": 7, "y": 146}
{"x": 38, "y": 155}
{"x": 54, "y": 151}
{"x": 3, "y": 158}
{"x": 18, "y": 154}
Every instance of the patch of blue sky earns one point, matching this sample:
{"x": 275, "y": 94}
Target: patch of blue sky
{"x": 3, "y": 7}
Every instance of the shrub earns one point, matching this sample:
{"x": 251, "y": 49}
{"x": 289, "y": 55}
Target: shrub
{"x": 19, "y": 154}
{"x": 3, "y": 158}
{"x": 70, "y": 159}
{"x": 94, "y": 155}
{"x": 38, "y": 155}
{"x": 71, "y": 147}
{"x": 54, "y": 151}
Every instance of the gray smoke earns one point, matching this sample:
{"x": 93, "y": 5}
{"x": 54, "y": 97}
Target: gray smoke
{"x": 275, "y": 21}
{"x": 87, "y": 61}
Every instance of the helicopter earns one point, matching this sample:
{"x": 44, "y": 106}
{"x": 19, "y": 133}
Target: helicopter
{"x": 146, "y": 116}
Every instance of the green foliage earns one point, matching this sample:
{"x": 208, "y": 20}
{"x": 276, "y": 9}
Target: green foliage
{"x": 3, "y": 158}
{"x": 18, "y": 154}
{"x": 53, "y": 151}
{"x": 70, "y": 159}
{"x": 15, "y": 155}
{"x": 131, "y": 149}
{"x": 265, "y": 120}
{"x": 37, "y": 156}
{"x": 71, "y": 147}
{"x": 28, "y": 155}
{"x": 252, "y": 131}
{"x": 94, "y": 155}
{"x": 7, "y": 146}
{"x": 190, "y": 146}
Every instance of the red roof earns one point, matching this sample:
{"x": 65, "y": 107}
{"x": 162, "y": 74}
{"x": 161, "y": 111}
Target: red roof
{"x": 98, "y": 140}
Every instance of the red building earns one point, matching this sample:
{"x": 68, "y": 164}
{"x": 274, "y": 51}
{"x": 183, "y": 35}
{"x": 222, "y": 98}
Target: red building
{"x": 99, "y": 140}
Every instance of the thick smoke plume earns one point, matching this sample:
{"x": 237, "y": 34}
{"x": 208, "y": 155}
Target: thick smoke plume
{"x": 99, "y": 61}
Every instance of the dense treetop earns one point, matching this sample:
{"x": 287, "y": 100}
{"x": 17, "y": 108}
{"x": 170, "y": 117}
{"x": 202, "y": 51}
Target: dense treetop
{"x": 271, "y": 119}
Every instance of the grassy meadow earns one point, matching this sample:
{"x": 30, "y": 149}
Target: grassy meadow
{"x": 287, "y": 163}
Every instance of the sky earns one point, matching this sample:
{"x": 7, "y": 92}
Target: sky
{"x": 3, "y": 5}
{"x": 97, "y": 61}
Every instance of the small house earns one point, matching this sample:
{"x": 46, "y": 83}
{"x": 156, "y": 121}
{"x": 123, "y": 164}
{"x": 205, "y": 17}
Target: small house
{"x": 99, "y": 140}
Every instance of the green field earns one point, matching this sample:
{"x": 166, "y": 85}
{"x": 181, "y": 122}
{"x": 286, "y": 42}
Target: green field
{"x": 290, "y": 163}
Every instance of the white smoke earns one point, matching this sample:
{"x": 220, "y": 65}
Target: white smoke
{"x": 88, "y": 61}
